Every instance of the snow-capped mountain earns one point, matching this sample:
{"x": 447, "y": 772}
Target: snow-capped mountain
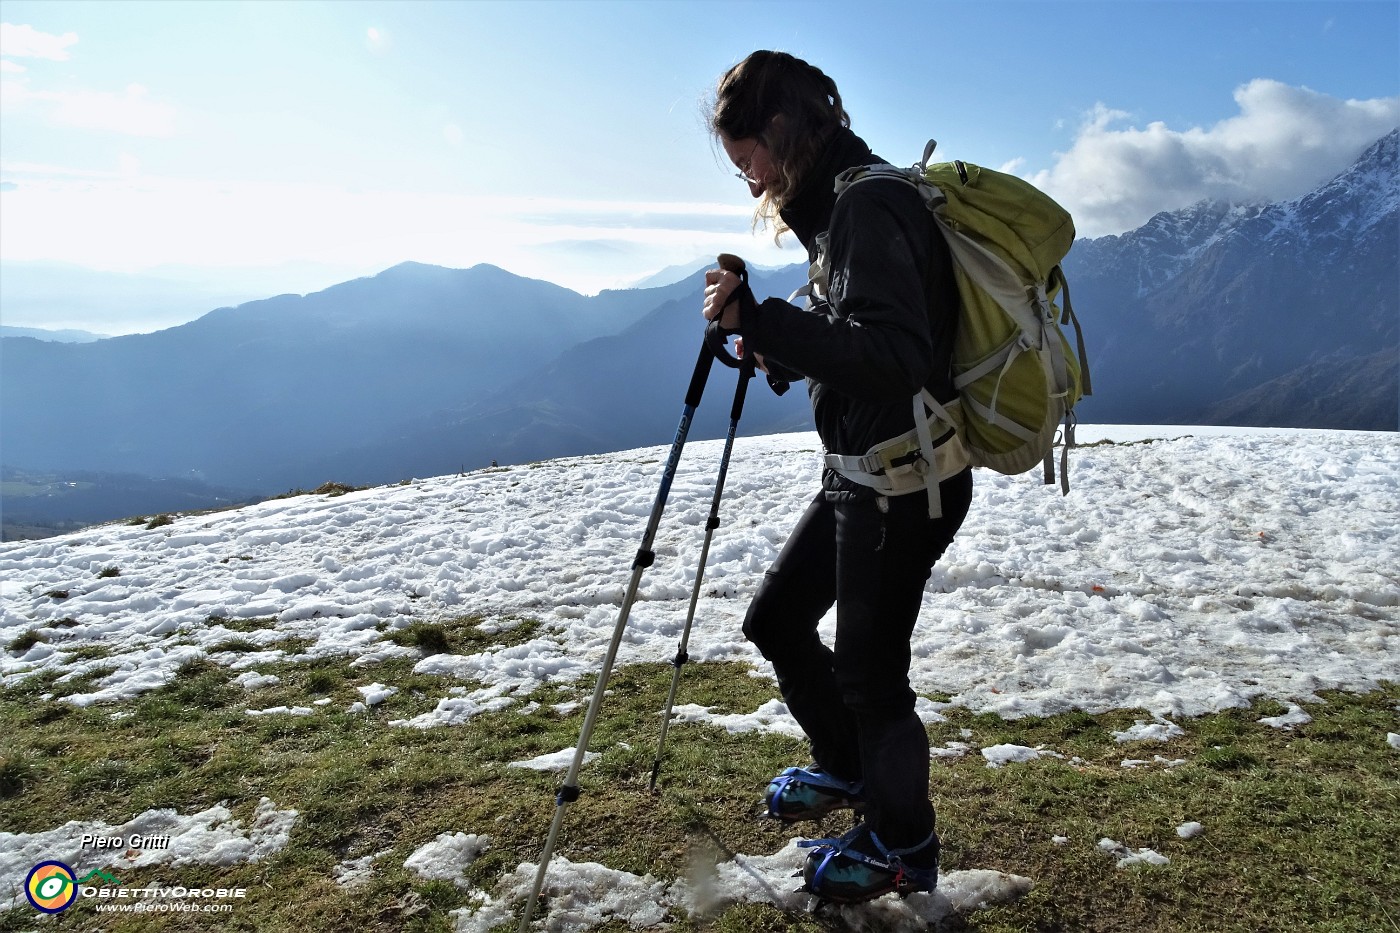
{"x": 1161, "y": 249}
{"x": 1190, "y": 315}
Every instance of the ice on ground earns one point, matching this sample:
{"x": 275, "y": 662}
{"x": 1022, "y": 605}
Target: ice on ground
{"x": 1190, "y": 830}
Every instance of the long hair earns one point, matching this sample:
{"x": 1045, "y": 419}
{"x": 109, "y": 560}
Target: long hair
{"x": 788, "y": 105}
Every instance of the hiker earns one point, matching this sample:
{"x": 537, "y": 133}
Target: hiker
{"x": 883, "y": 330}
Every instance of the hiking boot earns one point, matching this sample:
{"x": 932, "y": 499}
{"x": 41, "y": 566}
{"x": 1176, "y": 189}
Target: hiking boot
{"x": 809, "y": 794}
{"x": 857, "y": 867}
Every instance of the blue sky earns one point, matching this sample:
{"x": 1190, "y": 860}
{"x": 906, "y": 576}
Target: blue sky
{"x": 250, "y": 148}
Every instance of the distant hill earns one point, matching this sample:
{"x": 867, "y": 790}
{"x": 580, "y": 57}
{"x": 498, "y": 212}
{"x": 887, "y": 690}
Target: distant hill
{"x": 58, "y": 336}
{"x": 37, "y": 505}
{"x": 242, "y": 392}
{"x": 609, "y": 393}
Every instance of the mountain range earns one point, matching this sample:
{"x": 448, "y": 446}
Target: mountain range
{"x": 1284, "y": 314}
{"x": 1280, "y": 314}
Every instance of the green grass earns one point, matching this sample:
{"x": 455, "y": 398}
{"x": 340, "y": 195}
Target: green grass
{"x": 1299, "y": 825}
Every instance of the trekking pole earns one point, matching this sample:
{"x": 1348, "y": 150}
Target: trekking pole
{"x": 714, "y": 336}
{"x": 569, "y": 792}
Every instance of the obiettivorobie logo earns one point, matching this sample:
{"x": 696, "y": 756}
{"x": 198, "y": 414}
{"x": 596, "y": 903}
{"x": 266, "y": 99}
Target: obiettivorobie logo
{"x": 51, "y": 887}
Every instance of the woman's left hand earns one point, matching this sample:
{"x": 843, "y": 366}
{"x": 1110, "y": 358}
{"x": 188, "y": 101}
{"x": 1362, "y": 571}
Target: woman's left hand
{"x": 757, "y": 357}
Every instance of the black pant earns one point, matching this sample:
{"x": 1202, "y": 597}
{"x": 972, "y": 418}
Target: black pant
{"x": 855, "y": 702}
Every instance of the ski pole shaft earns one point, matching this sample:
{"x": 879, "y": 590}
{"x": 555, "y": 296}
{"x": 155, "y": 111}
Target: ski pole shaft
{"x": 569, "y": 792}
{"x": 746, "y": 372}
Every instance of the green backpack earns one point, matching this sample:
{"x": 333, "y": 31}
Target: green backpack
{"x": 1017, "y": 376}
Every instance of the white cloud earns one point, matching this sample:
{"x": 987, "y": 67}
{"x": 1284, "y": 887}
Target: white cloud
{"x": 131, "y": 113}
{"x": 10, "y": 68}
{"x": 129, "y": 222}
{"x": 28, "y": 42}
{"x": 1284, "y": 142}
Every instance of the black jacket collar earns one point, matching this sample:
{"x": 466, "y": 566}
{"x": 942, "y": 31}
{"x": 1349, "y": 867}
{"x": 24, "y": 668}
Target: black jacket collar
{"x": 809, "y": 211}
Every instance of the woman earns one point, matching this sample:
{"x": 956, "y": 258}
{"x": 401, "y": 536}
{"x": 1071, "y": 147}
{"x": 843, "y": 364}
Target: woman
{"x": 883, "y": 331}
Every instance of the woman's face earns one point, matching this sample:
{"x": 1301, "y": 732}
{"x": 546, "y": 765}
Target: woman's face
{"x": 753, "y": 160}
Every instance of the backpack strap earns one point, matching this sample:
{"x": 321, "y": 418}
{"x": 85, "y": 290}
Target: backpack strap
{"x": 912, "y": 461}
{"x": 1057, "y": 275}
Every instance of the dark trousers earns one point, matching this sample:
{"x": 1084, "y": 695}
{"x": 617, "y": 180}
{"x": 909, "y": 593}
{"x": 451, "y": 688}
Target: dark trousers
{"x": 854, "y": 701}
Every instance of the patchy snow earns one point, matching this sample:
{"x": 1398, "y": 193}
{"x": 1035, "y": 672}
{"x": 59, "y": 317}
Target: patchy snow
{"x": 581, "y": 895}
{"x": 950, "y": 750}
{"x": 554, "y": 761}
{"x": 1161, "y": 730}
{"x": 772, "y": 716}
{"x": 282, "y": 711}
{"x": 1156, "y": 759}
{"x": 1294, "y": 717}
{"x": 1190, "y": 830}
{"x": 447, "y": 857}
{"x": 352, "y": 873}
{"x": 1190, "y": 570}
{"x": 1127, "y": 857}
{"x": 999, "y": 755}
{"x": 251, "y": 680}
{"x": 376, "y": 693}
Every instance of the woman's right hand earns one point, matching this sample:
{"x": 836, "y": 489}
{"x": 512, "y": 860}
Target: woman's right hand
{"x": 719, "y": 298}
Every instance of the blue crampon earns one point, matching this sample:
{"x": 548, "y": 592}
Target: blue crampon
{"x": 858, "y": 867}
{"x": 809, "y": 794}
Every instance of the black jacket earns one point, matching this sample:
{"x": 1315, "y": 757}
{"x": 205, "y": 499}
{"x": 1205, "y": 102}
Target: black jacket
{"x": 889, "y": 325}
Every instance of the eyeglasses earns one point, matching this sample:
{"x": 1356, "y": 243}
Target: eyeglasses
{"x": 745, "y": 166}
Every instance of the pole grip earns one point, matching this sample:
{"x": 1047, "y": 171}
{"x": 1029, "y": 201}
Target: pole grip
{"x": 716, "y": 336}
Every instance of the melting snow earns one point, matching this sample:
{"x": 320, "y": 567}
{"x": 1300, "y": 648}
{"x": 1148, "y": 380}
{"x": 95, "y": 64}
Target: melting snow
{"x": 1180, "y": 577}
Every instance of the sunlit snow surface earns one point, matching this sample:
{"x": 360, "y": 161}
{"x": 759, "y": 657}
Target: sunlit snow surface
{"x": 1179, "y": 577}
